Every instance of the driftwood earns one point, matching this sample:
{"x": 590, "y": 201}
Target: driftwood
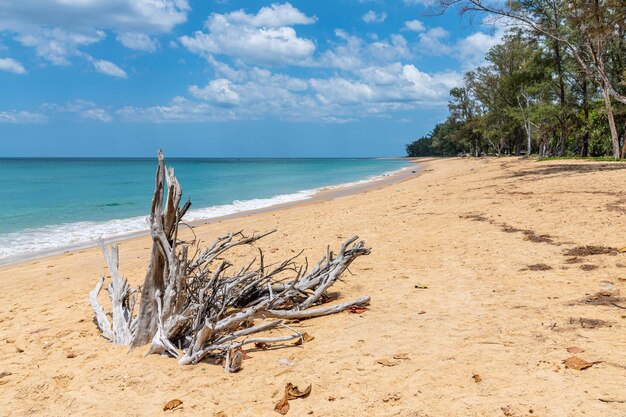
{"x": 192, "y": 306}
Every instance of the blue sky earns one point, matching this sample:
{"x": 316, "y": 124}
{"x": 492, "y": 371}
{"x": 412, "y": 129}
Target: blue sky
{"x": 229, "y": 77}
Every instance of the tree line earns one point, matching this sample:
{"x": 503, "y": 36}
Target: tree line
{"x": 555, "y": 86}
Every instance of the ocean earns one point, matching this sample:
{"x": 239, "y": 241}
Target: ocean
{"x": 48, "y": 204}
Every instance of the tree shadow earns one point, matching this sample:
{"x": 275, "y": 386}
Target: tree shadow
{"x": 567, "y": 169}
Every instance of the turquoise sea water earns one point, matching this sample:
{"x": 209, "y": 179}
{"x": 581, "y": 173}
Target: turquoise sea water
{"x": 51, "y": 203}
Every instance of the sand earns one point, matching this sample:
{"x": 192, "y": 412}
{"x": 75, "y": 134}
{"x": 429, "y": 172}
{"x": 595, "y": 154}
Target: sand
{"x": 487, "y": 337}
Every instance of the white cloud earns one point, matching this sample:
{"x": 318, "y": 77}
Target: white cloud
{"x": 414, "y": 25}
{"x": 426, "y": 3}
{"x": 218, "y": 91}
{"x": 436, "y": 86}
{"x": 433, "y": 41}
{"x": 87, "y": 16}
{"x": 11, "y": 65}
{"x": 83, "y": 108}
{"x": 355, "y": 78}
{"x": 352, "y": 52}
{"x": 57, "y": 29}
{"x": 108, "y": 68}
{"x": 137, "y": 40}
{"x": 257, "y": 93}
{"x": 274, "y": 16}
{"x": 264, "y": 38}
{"x": 373, "y": 17}
{"x": 472, "y": 49}
{"x": 394, "y": 86}
{"x": 179, "y": 109}
{"x": 18, "y": 117}
{"x": 57, "y": 45}
{"x": 96, "y": 114}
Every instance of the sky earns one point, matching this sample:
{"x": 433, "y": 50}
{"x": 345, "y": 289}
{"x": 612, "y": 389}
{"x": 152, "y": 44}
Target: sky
{"x": 228, "y": 78}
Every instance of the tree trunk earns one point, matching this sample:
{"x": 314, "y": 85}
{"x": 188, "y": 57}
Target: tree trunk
{"x": 609, "y": 114}
{"x": 562, "y": 118}
{"x": 585, "y": 148}
{"x": 624, "y": 143}
{"x": 153, "y": 283}
{"x": 529, "y": 141}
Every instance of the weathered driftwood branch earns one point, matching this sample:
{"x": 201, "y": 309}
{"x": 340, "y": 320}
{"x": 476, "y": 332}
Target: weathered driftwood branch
{"x": 192, "y": 306}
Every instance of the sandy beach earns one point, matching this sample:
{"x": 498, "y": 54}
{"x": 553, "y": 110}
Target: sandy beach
{"x": 479, "y": 286}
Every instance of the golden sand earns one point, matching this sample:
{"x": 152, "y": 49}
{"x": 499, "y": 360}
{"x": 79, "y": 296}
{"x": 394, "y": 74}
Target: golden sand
{"x": 474, "y": 304}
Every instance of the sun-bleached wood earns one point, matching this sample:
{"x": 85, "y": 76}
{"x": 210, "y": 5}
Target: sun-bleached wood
{"x": 192, "y": 306}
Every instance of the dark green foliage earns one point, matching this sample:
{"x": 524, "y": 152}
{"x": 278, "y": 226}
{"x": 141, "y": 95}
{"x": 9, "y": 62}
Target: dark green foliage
{"x": 442, "y": 141}
{"x": 533, "y": 90}
{"x": 420, "y": 147}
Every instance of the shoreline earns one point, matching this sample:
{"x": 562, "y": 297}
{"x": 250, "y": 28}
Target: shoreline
{"x": 320, "y": 194}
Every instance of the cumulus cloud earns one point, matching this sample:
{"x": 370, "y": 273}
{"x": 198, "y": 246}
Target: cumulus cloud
{"x": 256, "y": 93}
{"x": 472, "y": 49}
{"x": 83, "y": 108}
{"x": 373, "y": 17}
{"x": 352, "y": 52}
{"x": 354, "y": 78}
{"x": 391, "y": 86}
{"x": 86, "y": 16}
{"x": 96, "y": 114}
{"x": 433, "y": 41}
{"x": 18, "y": 117}
{"x": 426, "y": 3}
{"x": 11, "y": 65}
{"x": 57, "y": 45}
{"x": 218, "y": 91}
{"x": 414, "y": 25}
{"x": 266, "y": 37}
{"x": 274, "y": 16}
{"x": 57, "y": 29}
{"x": 138, "y": 41}
{"x": 108, "y": 68}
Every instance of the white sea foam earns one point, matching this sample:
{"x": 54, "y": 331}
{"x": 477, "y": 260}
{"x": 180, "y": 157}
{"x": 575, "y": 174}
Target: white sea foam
{"x": 58, "y": 237}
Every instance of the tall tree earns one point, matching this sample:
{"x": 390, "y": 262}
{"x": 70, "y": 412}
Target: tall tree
{"x": 587, "y": 30}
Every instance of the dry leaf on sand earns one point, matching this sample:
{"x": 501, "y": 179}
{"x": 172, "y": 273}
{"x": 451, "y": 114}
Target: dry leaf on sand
{"x": 387, "y": 362}
{"x": 507, "y": 411}
{"x": 356, "y": 309}
{"x": 294, "y": 392}
{"x": 575, "y": 349}
{"x": 622, "y": 250}
{"x": 403, "y": 356}
{"x": 282, "y": 407}
{"x": 574, "y": 362}
{"x": 477, "y": 378}
{"x": 170, "y": 405}
{"x": 291, "y": 393}
{"x": 304, "y": 339}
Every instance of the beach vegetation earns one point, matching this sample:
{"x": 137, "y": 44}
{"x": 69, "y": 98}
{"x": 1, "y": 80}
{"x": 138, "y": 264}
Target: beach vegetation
{"x": 555, "y": 86}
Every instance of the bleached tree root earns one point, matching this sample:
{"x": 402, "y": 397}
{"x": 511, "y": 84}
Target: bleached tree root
{"x": 192, "y": 306}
